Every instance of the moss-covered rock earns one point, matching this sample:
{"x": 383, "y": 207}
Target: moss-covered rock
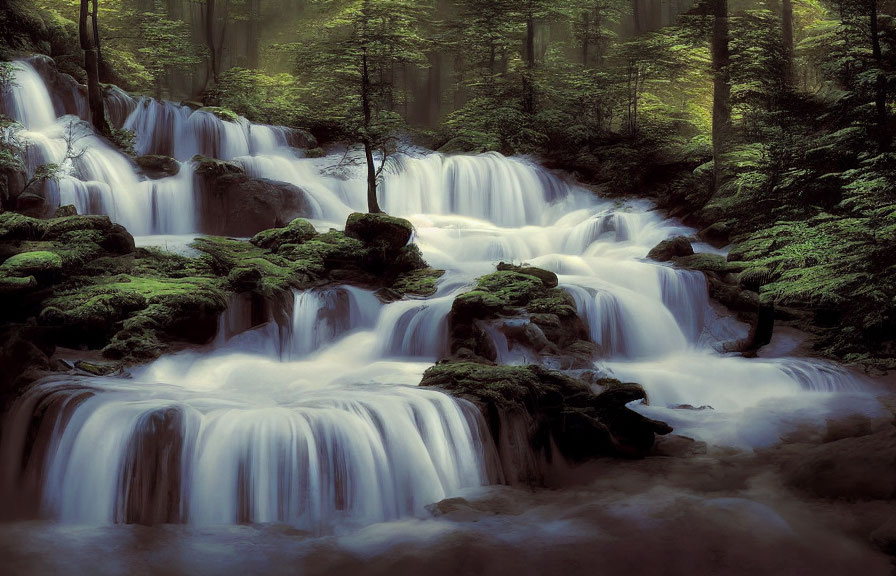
{"x": 509, "y": 295}
{"x": 205, "y": 166}
{"x": 548, "y": 278}
{"x": 296, "y": 232}
{"x": 86, "y": 284}
{"x": 557, "y": 410}
{"x": 423, "y": 282}
{"x": 381, "y": 230}
{"x": 671, "y": 248}
{"x": 17, "y": 285}
{"x": 42, "y": 265}
{"x": 158, "y": 166}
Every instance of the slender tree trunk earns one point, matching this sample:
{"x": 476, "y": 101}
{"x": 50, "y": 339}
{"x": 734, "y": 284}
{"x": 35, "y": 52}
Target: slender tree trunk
{"x": 373, "y": 205}
{"x": 787, "y": 41}
{"x": 880, "y": 92}
{"x": 636, "y": 17}
{"x": 96, "y": 34}
{"x": 210, "y": 42}
{"x": 721, "y": 103}
{"x": 225, "y": 21}
{"x": 254, "y": 15}
{"x": 586, "y": 37}
{"x": 94, "y": 91}
{"x": 528, "y": 80}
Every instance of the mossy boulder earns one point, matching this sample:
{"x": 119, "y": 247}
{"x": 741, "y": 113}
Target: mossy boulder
{"x": 557, "y": 409}
{"x": 671, "y": 248}
{"x": 205, "y": 166}
{"x": 381, "y": 230}
{"x": 42, "y": 265}
{"x": 523, "y": 297}
{"x": 423, "y": 282}
{"x": 158, "y": 166}
{"x": 548, "y": 278}
{"x": 296, "y": 232}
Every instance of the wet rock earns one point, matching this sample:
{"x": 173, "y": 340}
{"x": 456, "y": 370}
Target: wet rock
{"x": 559, "y": 410}
{"x": 118, "y": 240}
{"x": 67, "y": 210}
{"x": 548, "y": 278}
{"x": 854, "y": 468}
{"x": 212, "y": 167}
{"x": 157, "y": 166}
{"x": 510, "y": 293}
{"x": 18, "y": 357}
{"x": 96, "y": 368}
{"x": 33, "y": 204}
{"x": 422, "y": 282}
{"x": 386, "y": 232}
{"x": 671, "y": 248}
{"x": 296, "y": 232}
{"x": 234, "y": 204}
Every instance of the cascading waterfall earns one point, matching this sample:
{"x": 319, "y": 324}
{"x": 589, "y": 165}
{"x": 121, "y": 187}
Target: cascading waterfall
{"x": 27, "y": 100}
{"x": 307, "y": 412}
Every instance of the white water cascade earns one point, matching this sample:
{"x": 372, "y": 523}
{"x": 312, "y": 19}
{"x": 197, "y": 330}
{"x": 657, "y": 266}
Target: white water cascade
{"x": 317, "y": 422}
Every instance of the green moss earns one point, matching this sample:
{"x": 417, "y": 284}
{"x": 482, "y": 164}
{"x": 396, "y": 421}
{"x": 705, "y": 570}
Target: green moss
{"x": 222, "y": 113}
{"x": 512, "y": 288}
{"x": 418, "y": 282}
{"x": 41, "y": 264}
{"x": 707, "y": 263}
{"x": 380, "y": 230}
{"x": 296, "y": 232}
{"x": 15, "y": 285}
{"x": 14, "y": 226}
{"x": 501, "y": 385}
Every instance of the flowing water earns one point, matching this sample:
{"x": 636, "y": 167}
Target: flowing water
{"x": 311, "y": 417}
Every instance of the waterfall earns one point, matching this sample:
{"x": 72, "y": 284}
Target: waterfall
{"x": 27, "y": 100}
{"x": 306, "y": 411}
{"x": 322, "y": 316}
{"x": 332, "y": 456}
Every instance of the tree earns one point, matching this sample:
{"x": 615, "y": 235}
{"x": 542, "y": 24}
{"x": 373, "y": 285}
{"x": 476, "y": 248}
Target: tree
{"x": 721, "y": 102}
{"x": 91, "y": 66}
{"x": 349, "y": 75}
{"x": 787, "y": 41}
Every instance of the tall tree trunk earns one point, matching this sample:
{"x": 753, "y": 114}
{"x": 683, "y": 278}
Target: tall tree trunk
{"x": 598, "y": 35}
{"x": 528, "y": 80}
{"x": 636, "y": 17}
{"x": 880, "y": 88}
{"x": 373, "y": 205}
{"x": 721, "y": 103}
{"x": 586, "y": 37}
{"x": 96, "y": 34}
{"x": 210, "y": 42}
{"x": 94, "y": 91}
{"x": 787, "y": 41}
{"x": 254, "y": 15}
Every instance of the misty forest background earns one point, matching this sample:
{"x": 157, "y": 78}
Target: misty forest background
{"x": 767, "y": 124}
